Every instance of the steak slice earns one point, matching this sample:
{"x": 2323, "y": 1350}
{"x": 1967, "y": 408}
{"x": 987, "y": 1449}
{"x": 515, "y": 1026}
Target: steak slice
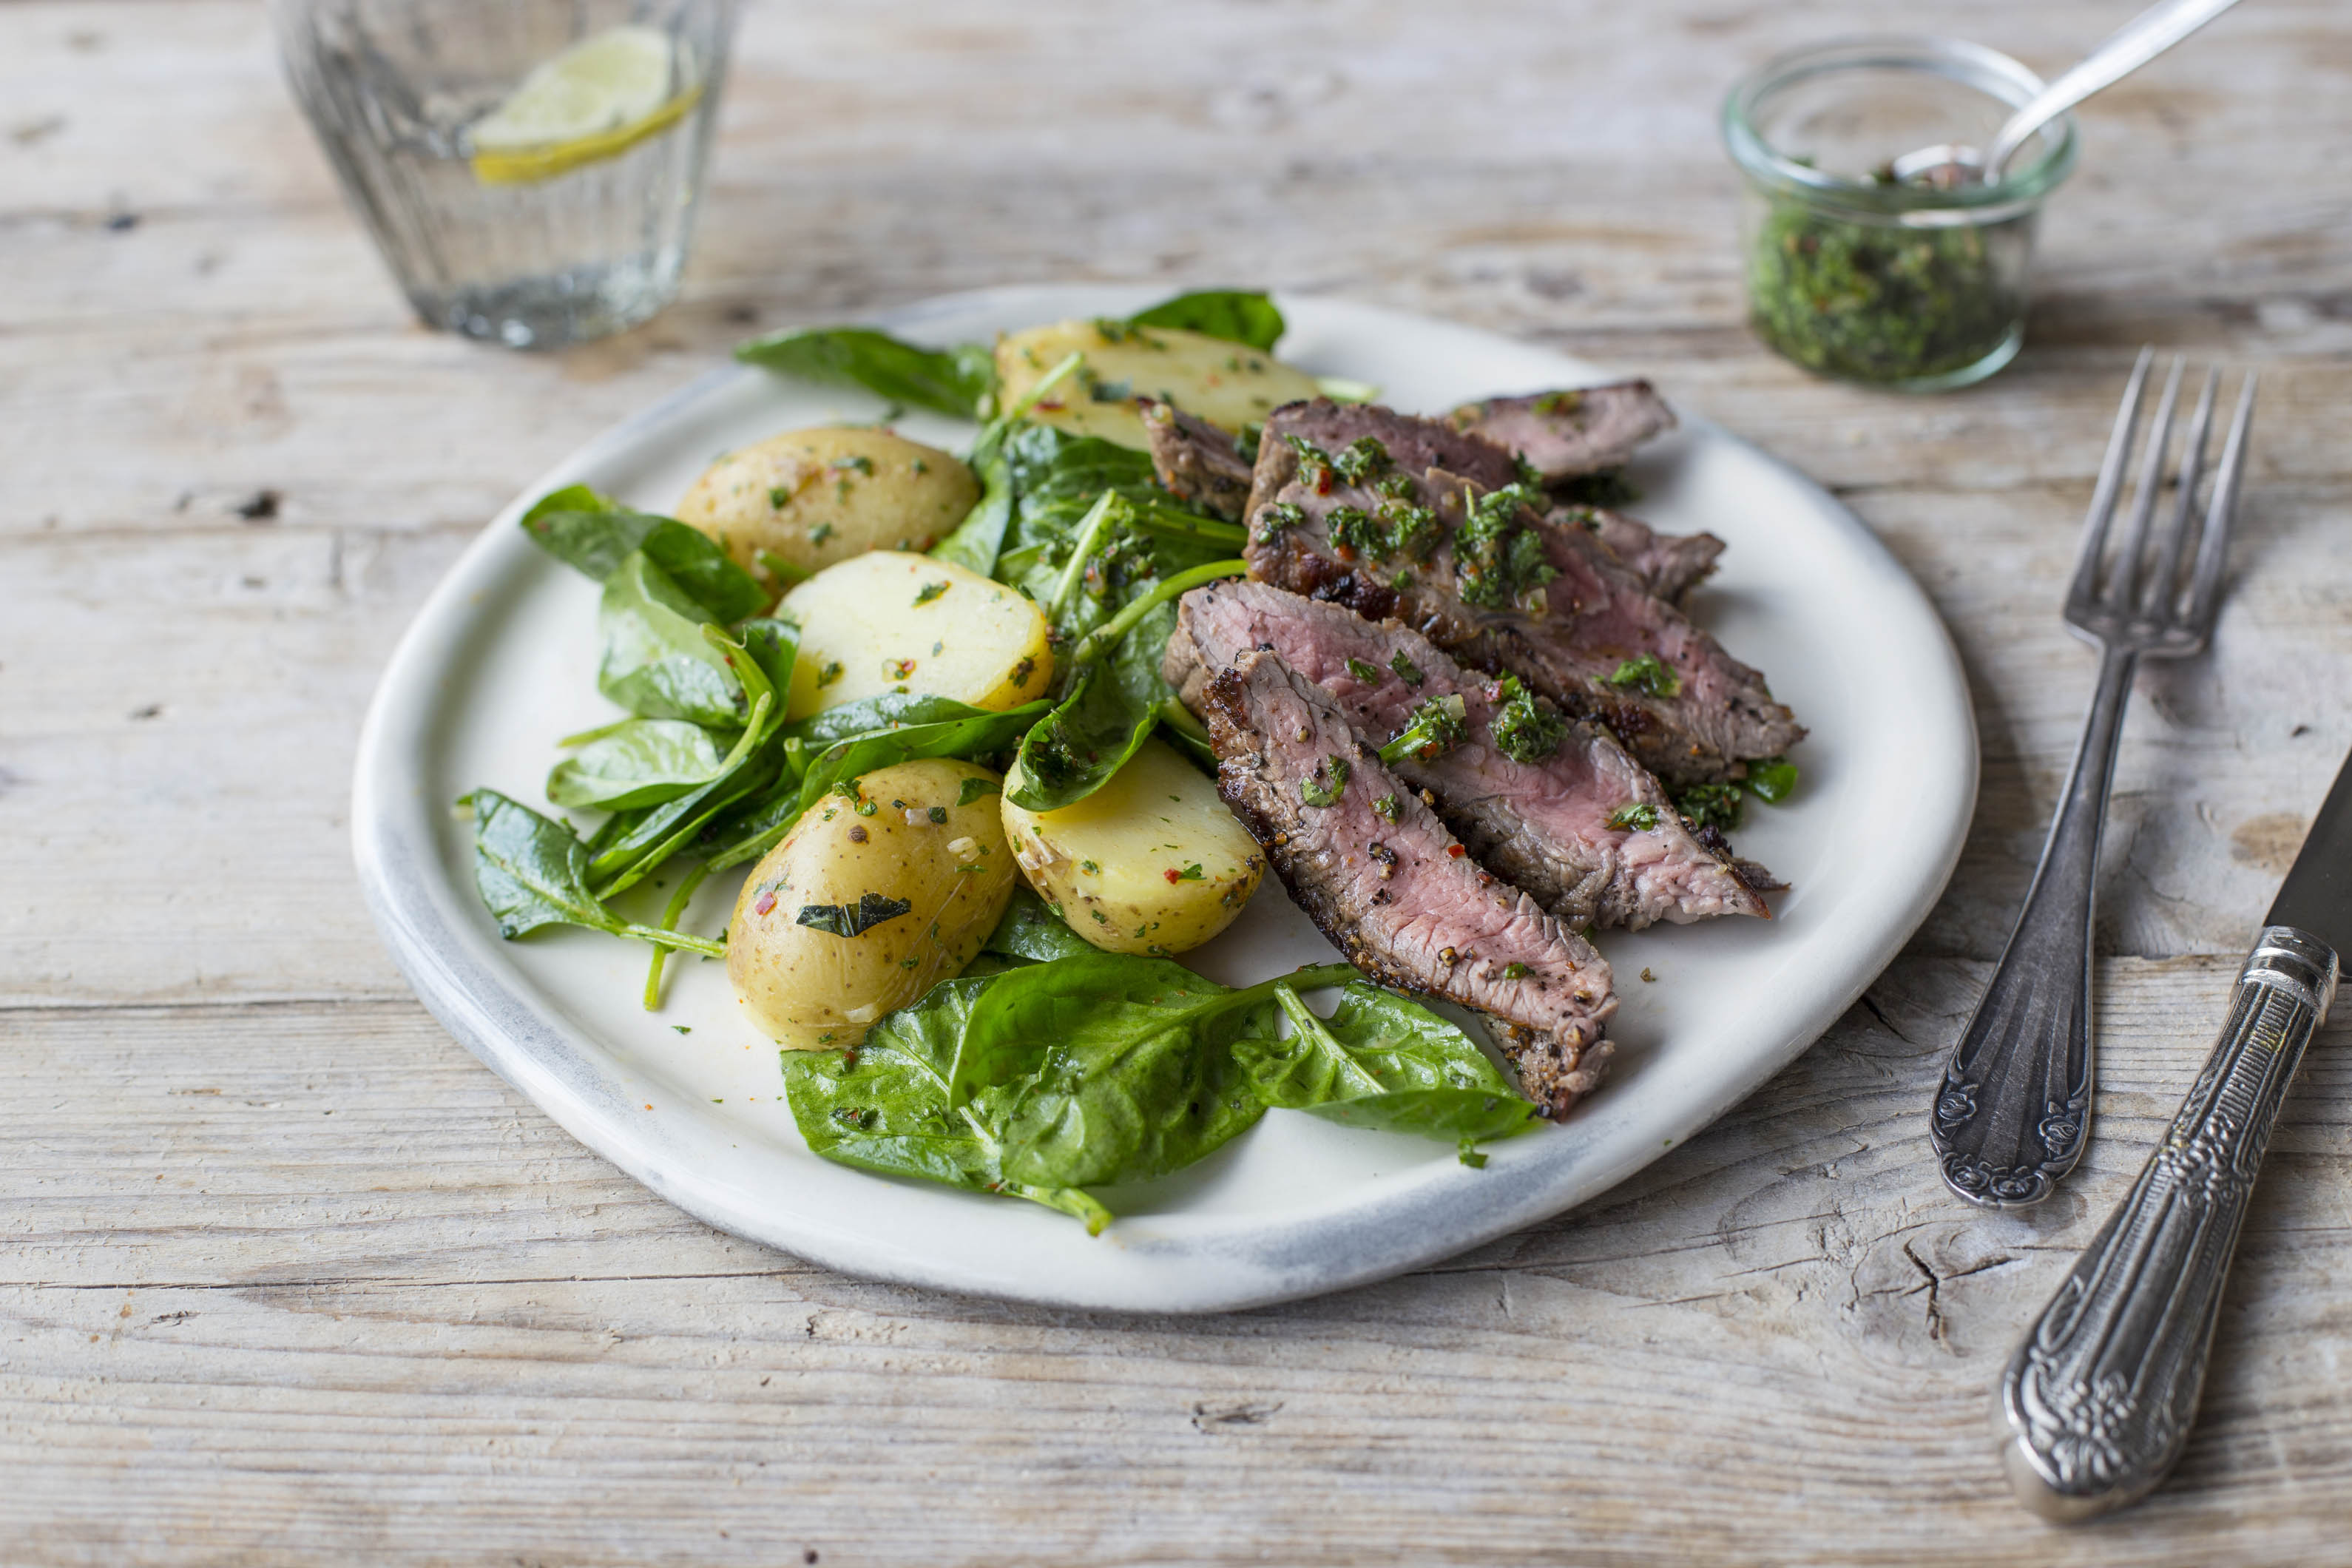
{"x": 1550, "y": 604}
{"x": 1564, "y": 434}
{"x": 1563, "y": 828}
{"x": 1401, "y": 898}
{"x": 1668, "y": 565}
{"x": 1195, "y": 461}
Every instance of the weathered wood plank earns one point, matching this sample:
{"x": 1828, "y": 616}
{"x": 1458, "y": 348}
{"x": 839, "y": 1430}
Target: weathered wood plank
{"x": 359, "y": 1271}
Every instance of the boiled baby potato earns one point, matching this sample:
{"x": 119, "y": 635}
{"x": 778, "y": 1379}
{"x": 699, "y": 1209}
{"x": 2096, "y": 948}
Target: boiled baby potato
{"x": 1228, "y": 384}
{"x": 796, "y": 503}
{"x": 1152, "y": 862}
{"x": 865, "y": 905}
{"x": 896, "y": 622}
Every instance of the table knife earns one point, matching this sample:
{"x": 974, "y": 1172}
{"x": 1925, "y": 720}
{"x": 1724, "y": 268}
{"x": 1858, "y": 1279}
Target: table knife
{"x": 2097, "y": 1402}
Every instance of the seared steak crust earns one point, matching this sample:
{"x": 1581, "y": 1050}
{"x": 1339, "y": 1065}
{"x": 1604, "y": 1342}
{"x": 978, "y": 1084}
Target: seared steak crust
{"x": 1564, "y": 435}
{"x": 1398, "y": 896}
{"x": 1700, "y": 716}
{"x": 1553, "y": 827}
{"x": 1195, "y": 461}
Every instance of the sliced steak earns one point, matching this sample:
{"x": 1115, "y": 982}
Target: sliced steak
{"x": 1196, "y": 461}
{"x": 1562, "y": 434}
{"x": 1400, "y": 897}
{"x": 1550, "y": 604}
{"x": 1569, "y": 827}
{"x": 1667, "y": 565}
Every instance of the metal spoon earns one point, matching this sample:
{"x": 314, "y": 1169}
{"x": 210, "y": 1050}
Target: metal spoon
{"x": 2135, "y": 44}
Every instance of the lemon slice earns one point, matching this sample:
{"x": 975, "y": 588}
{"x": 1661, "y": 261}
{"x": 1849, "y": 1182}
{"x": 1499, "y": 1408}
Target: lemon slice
{"x": 597, "y": 98}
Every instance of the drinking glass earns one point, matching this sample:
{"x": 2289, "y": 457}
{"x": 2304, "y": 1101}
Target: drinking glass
{"x": 530, "y": 168}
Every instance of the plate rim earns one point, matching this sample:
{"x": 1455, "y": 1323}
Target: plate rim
{"x": 501, "y": 1027}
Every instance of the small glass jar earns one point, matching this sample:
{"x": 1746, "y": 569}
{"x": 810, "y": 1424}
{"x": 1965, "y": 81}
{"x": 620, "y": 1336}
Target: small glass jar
{"x": 1909, "y": 285}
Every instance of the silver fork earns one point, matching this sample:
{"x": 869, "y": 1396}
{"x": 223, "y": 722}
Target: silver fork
{"x": 2015, "y": 1108}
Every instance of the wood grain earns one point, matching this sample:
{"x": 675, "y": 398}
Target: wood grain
{"x": 289, "y": 1278}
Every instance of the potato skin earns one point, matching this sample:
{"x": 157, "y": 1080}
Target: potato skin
{"x": 808, "y": 988}
{"x": 1229, "y": 385}
{"x": 894, "y": 622}
{"x": 1153, "y": 862}
{"x": 810, "y": 498}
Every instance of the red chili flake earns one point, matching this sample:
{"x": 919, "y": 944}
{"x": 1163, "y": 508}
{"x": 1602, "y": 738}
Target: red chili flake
{"x": 1171, "y": 875}
{"x": 1322, "y": 481}
{"x": 1051, "y": 405}
{"x": 767, "y": 901}
{"x": 1455, "y": 850}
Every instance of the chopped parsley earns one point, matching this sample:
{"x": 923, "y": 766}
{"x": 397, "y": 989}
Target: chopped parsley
{"x": 1524, "y": 730}
{"x": 1365, "y": 460}
{"x": 1362, "y": 671}
{"x": 1273, "y": 518}
{"x": 1711, "y": 805}
{"x": 1646, "y": 673}
{"x": 1636, "y": 815}
{"x": 1436, "y": 727}
{"x": 1389, "y": 806}
{"x": 777, "y": 496}
{"x": 928, "y": 592}
{"x": 855, "y": 464}
{"x": 1407, "y": 671}
{"x": 1324, "y": 786}
{"x": 820, "y": 533}
{"x": 829, "y": 672}
{"x": 1498, "y": 559}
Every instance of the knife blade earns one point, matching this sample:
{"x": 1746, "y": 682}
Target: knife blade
{"x": 2316, "y": 896}
{"x": 2097, "y": 1402}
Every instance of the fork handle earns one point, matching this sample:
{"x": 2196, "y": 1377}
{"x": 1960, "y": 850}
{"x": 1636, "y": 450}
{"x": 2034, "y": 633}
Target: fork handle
{"x": 2097, "y": 1402}
{"x": 2015, "y": 1106}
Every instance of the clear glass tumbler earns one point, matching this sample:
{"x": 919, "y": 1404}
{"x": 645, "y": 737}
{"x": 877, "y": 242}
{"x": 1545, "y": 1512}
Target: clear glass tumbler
{"x": 1857, "y": 274}
{"x": 528, "y": 168}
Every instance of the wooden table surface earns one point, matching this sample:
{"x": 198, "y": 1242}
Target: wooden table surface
{"x": 287, "y": 1277}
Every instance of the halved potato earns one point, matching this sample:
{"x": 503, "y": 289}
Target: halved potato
{"x": 1152, "y": 862}
{"x": 798, "y": 502}
{"x": 895, "y": 622}
{"x": 867, "y": 904}
{"x": 1229, "y": 385}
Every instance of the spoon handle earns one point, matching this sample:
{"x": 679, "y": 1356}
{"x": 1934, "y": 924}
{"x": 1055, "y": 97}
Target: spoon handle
{"x": 2135, "y": 44}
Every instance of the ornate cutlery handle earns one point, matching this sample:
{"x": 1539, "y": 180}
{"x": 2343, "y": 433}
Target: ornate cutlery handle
{"x": 2015, "y": 1105}
{"x": 2098, "y": 1400}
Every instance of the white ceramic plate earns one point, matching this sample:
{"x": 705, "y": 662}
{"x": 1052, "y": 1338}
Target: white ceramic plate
{"x": 499, "y": 663}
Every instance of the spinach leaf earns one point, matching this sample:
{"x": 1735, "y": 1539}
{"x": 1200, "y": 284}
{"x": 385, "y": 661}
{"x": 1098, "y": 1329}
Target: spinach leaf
{"x": 1096, "y": 730}
{"x": 595, "y": 533}
{"x": 957, "y": 381}
{"x": 1030, "y": 930}
{"x": 884, "y": 1107}
{"x": 888, "y": 730}
{"x": 638, "y": 762}
{"x": 1237, "y": 316}
{"x": 979, "y": 539}
{"x": 532, "y": 872}
{"x": 655, "y": 662}
{"x": 871, "y": 909}
{"x": 1386, "y": 1062}
{"x": 1056, "y": 478}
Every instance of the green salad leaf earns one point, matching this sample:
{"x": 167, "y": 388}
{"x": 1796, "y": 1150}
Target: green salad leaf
{"x": 595, "y": 533}
{"x": 1236, "y": 315}
{"x": 958, "y": 381}
{"x": 980, "y": 538}
{"x": 884, "y": 1107}
{"x": 638, "y": 762}
{"x": 655, "y": 662}
{"x": 1033, "y": 933}
{"x": 532, "y": 872}
{"x": 1387, "y": 1062}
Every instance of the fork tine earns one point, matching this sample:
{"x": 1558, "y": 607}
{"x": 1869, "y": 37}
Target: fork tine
{"x": 2220, "y": 514}
{"x": 2162, "y": 593}
{"x": 2111, "y": 478}
{"x": 2126, "y": 573}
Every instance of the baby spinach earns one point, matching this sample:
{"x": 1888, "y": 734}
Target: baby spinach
{"x": 884, "y": 1107}
{"x": 1104, "y": 721}
{"x": 532, "y": 872}
{"x": 871, "y": 909}
{"x": 882, "y": 732}
{"x": 1032, "y": 931}
{"x": 656, "y": 663}
{"x": 1384, "y": 1061}
{"x": 638, "y": 762}
{"x": 595, "y": 533}
{"x": 980, "y": 538}
{"x": 957, "y": 381}
{"x": 1238, "y": 316}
